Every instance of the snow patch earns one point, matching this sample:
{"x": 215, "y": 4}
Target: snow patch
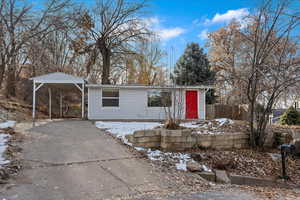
{"x": 121, "y": 129}
{"x": 189, "y": 125}
{"x": 223, "y": 121}
{"x": 208, "y": 132}
{"x": 183, "y": 159}
{"x": 154, "y": 155}
{"x": 181, "y": 165}
{"x": 7, "y": 124}
{"x": 206, "y": 169}
{"x": 3, "y": 146}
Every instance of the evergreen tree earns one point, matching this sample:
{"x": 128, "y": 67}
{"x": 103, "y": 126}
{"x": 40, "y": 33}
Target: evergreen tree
{"x": 193, "y": 68}
{"x": 290, "y": 117}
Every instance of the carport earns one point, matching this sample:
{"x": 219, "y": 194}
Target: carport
{"x": 60, "y": 81}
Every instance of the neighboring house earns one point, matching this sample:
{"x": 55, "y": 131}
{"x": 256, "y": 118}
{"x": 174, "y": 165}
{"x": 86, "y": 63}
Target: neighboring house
{"x": 132, "y": 102}
{"x": 128, "y": 102}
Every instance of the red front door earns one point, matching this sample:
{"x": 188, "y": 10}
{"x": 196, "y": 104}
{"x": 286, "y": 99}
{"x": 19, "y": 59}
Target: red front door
{"x": 191, "y": 104}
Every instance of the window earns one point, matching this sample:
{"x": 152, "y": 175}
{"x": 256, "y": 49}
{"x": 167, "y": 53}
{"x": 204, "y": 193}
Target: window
{"x": 110, "y": 98}
{"x": 159, "y": 98}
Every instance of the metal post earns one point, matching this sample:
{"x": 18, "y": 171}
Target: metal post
{"x": 50, "y": 103}
{"x": 33, "y": 102}
{"x": 283, "y": 155}
{"x": 82, "y": 101}
{"x": 60, "y": 104}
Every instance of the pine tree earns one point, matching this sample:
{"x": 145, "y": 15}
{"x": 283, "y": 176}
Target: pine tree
{"x": 193, "y": 68}
{"x": 290, "y": 117}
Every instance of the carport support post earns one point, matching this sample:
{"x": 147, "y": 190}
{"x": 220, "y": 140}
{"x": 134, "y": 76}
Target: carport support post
{"x": 50, "y": 103}
{"x": 60, "y": 104}
{"x": 33, "y": 102}
{"x": 82, "y": 101}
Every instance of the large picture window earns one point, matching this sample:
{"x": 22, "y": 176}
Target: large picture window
{"x": 110, "y": 98}
{"x": 159, "y": 98}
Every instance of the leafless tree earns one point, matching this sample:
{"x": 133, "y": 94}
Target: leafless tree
{"x": 272, "y": 58}
{"x": 20, "y": 22}
{"x": 110, "y": 29}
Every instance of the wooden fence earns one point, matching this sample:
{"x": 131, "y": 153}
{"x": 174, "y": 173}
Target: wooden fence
{"x": 235, "y": 112}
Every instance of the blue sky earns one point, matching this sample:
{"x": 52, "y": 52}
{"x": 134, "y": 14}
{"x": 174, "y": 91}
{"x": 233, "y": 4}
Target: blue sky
{"x": 179, "y": 22}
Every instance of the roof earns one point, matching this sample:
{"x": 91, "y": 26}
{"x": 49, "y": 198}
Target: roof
{"x": 148, "y": 86}
{"x": 57, "y": 77}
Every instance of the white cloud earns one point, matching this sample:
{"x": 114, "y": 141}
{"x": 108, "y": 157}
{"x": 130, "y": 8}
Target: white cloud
{"x": 168, "y": 33}
{"x": 203, "y": 34}
{"x": 238, "y": 15}
{"x": 151, "y": 21}
{"x": 164, "y": 33}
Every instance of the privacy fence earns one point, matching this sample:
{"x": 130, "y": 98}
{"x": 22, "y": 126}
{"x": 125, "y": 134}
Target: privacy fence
{"x": 235, "y": 112}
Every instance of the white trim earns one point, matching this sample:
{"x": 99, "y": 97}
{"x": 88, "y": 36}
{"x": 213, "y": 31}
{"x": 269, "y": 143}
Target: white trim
{"x": 204, "y": 104}
{"x": 39, "y": 86}
{"x": 58, "y": 77}
{"x": 147, "y": 87}
{"x": 79, "y": 86}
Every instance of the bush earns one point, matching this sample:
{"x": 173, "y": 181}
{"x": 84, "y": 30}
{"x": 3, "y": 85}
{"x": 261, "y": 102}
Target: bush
{"x": 290, "y": 117}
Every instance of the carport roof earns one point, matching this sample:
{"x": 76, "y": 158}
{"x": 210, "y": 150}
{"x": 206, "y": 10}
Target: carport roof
{"x": 58, "y": 77}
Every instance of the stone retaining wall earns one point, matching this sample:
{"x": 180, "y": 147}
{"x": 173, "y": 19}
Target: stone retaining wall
{"x": 181, "y": 140}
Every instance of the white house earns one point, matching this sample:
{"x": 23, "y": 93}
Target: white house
{"x": 132, "y": 102}
{"x": 128, "y": 102}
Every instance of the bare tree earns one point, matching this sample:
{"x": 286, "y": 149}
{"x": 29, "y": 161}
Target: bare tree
{"x": 19, "y": 24}
{"x": 271, "y": 55}
{"x": 110, "y": 29}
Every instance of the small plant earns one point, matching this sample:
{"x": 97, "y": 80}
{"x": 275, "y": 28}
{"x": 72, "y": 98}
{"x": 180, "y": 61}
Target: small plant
{"x": 290, "y": 117}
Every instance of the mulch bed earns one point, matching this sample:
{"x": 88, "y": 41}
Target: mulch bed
{"x": 249, "y": 162}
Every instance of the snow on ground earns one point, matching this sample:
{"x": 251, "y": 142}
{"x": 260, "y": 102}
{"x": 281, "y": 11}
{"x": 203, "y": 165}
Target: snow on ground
{"x": 180, "y": 159}
{"x": 189, "y": 125}
{"x": 121, "y": 129}
{"x": 223, "y": 121}
{"x": 183, "y": 159}
{"x": 3, "y": 146}
{"x": 207, "y": 132}
{"x": 7, "y": 124}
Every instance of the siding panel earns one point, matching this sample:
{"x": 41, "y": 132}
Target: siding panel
{"x": 133, "y": 106}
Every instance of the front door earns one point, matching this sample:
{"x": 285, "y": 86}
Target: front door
{"x": 191, "y": 104}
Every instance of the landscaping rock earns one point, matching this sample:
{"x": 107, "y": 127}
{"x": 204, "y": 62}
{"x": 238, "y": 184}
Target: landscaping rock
{"x": 193, "y": 166}
{"x": 198, "y": 157}
{"x": 296, "y": 142}
{"x": 275, "y": 156}
{"x": 221, "y": 177}
{"x": 209, "y": 176}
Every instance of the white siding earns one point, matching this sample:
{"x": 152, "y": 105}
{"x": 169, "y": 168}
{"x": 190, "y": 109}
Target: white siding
{"x": 201, "y": 104}
{"x": 133, "y": 106}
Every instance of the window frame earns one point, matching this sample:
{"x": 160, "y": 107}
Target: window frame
{"x": 161, "y": 104}
{"x": 105, "y": 98}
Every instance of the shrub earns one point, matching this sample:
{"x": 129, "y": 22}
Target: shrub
{"x": 290, "y": 117}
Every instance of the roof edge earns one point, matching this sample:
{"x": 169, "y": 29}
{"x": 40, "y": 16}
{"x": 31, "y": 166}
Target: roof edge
{"x": 150, "y": 86}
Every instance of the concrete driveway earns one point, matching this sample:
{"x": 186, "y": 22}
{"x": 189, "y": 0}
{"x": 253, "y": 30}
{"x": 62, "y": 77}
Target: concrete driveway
{"x": 73, "y": 160}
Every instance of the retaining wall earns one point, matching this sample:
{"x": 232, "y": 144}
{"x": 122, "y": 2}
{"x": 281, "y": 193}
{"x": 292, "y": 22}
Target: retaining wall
{"x": 184, "y": 139}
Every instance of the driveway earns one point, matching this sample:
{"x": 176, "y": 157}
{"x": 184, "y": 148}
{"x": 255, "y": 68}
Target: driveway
{"x": 73, "y": 160}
